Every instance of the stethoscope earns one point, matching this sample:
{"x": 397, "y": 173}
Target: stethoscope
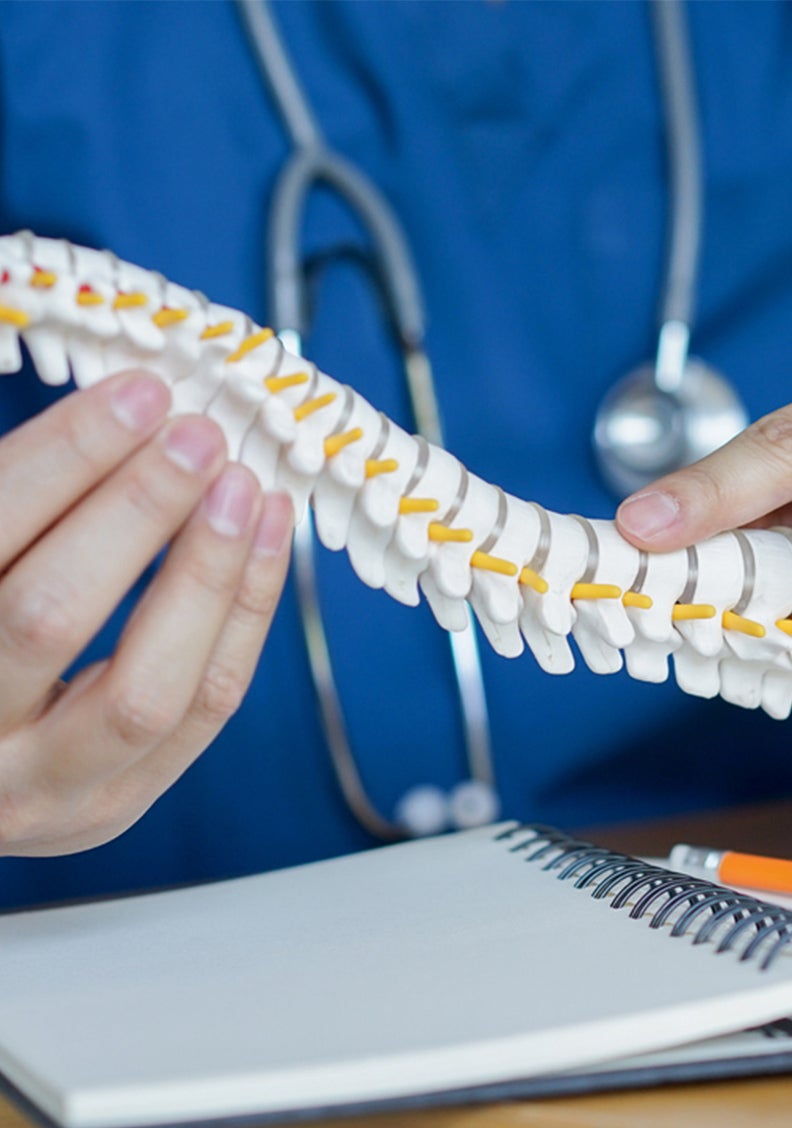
{"x": 662, "y": 416}
{"x": 669, "y": 413}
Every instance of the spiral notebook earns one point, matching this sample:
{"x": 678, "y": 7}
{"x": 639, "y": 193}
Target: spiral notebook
{"x": 502, "y": 961}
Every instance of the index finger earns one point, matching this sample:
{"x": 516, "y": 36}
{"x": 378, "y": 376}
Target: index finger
{"x": 50, "y": 462}
{"x": 737, "y": 485}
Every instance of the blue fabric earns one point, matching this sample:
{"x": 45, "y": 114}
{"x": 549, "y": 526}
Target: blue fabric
{"x": 522, "y": 146}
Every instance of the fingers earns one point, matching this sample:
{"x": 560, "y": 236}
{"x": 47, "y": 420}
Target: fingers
{"x": 126, "y": 729}
{"x": 47, "y": 464}
{"x": 55, "y": 598}
{"x": 741, "y": 483}
{"x": 233, "y": 658}
{"x": 146, "y": 689}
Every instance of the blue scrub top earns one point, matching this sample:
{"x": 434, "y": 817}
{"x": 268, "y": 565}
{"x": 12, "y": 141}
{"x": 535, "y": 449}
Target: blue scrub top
{"x": 522, "y": 146}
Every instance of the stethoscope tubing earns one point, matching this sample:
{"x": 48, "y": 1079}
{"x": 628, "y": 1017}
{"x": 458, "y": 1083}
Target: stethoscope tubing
{"x": 681, "y": 112}
{"x": 304, "y": 169}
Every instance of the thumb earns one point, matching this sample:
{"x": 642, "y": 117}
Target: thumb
{"x": 743, "y": 481}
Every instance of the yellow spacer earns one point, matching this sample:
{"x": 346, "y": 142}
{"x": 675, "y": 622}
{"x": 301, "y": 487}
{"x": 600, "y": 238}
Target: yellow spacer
{"x": 312, "y": 405}
{"x": 89, "y": 298}
{"x": 733, "y": 622}
{"x": 167, "y": 316}
{"x": 276, "y": 384}
{"x": 131, "y": 300}
{"x": 681, "y": 612}
{"x": 418, "y": 505}
{"x": 784, "y": 625}
{"x": 334, "y": 443}
{"x": 636, "y": 599}
{"x": 442, "y": 533}
{"x": 15, "y": 317}
{"x": 595, "y": 591}
{"x": 222, "y": 329}
{"x": 250, "y": 343}
{"x": 533, "y": 580}
{"x": 493, "y": 564}
{"x": 44, "y": 278}
{"x": 376, "y": 466}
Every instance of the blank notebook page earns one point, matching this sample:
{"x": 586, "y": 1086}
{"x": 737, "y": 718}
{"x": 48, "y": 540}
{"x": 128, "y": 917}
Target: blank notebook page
{"x": 407, "y": 969}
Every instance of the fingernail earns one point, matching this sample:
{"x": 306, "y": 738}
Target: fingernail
{"x": 647, "y": 514}
{"x": 275, "y": 525}
{"x": 140, "y": 402}
{"x": 192, "y": 444}
{"x": 228, "y": 502}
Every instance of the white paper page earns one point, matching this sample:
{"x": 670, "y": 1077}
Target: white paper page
{"x": 416, "y": 967}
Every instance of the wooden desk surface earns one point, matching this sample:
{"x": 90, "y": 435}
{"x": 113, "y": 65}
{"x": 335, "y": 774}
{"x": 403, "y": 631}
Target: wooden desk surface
{"x": 760, "y": 1103}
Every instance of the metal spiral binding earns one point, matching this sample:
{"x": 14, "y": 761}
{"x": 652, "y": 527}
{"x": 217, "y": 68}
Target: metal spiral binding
{"x": 688, "y": 906}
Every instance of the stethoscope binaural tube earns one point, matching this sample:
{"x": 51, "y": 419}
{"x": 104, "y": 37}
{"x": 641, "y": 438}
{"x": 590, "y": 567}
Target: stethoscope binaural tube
{"x": 425, "y": 809}
{"x": 667, "y": 414}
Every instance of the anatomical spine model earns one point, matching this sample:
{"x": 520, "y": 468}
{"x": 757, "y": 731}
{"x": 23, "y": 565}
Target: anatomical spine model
{"x": 409, "y": 514}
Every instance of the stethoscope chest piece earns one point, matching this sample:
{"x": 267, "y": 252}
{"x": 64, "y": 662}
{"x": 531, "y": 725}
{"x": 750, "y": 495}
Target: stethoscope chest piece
{"x": 642, "y": 431}
{"x": 667, "y": 414}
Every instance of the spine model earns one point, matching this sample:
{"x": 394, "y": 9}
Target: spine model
{"x": 409, "y": 514}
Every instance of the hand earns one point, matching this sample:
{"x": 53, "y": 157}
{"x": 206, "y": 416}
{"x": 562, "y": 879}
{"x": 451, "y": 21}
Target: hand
{"x": 90, "y": 491}
{"x": 747, "y": 482}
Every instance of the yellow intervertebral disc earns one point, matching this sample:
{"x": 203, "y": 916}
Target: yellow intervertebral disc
{"x": 89, "y": 298}
{"x": 637, "y": 599}
{"x": 733, "y": 622}
{"x": 250, "y": 343}
{"x": 131, "y": 300}
{"x": 312, "y": 405}
{"x": 376, "y": 466}
{"x": 533, "y": 580}
{"x": 222, "y": 329}
{"x": 16, "y": 317}
{"x": 277, "y": 384}
{"x": 167, "y": 316}
{"x": 442, "y": 533}
{"x": 44, "y": 278}
{"x": 595, "y": 591}
{"x": 418, "y": 505}
{"x": 681, "y": 612}
{"x": 334, "y": 443}
{"x": 493, "y": 564}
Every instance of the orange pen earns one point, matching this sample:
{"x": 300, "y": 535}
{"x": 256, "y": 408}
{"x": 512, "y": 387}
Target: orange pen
{"x": 773, "y": 875}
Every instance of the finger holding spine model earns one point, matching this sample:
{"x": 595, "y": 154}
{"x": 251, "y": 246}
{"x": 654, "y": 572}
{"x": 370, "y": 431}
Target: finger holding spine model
{"x": 409, "y": 513}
